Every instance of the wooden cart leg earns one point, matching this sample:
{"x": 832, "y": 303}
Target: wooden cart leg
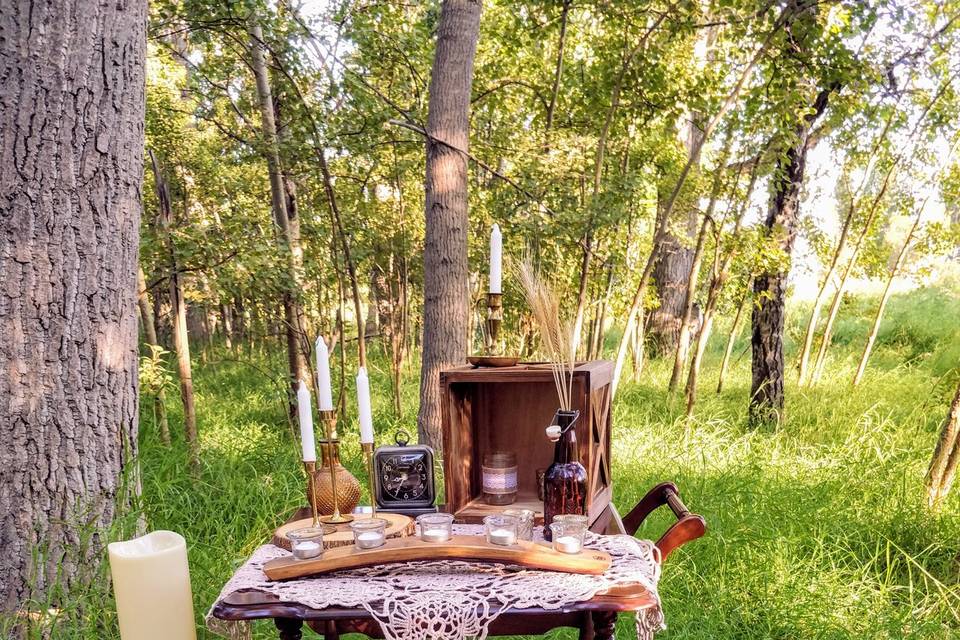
{"x": 586, "y": 626}
{"x": 290, "y": 628}
{"x": 604, "y": 625}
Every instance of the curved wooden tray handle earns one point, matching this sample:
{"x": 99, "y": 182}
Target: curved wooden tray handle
{"x": 689, "y": 526}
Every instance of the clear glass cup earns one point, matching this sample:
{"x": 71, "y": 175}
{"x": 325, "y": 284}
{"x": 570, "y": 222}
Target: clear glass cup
{"x": 573, "y": 517}
{"x": 435, "y": 527}
{"x": 306, "y": 543}
{"x": 524, "y": 522}
{"x": 501, "y": 529}
{"x": 369, "y": 533}
{"x": 568, "y": 535}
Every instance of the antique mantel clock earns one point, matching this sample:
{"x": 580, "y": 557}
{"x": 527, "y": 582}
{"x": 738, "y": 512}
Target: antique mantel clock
{"x": 404, "y": 476}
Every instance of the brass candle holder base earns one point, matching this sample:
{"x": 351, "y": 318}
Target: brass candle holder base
{"x": 494, "y": 320}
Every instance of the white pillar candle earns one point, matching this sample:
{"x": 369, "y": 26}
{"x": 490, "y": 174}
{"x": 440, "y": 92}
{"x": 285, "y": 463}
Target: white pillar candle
{"x": 504, "y": 537}
{"x": 364, "y": 412}
{"x": 151, "y": 583}
{"x": 567, "y": 544}
{"x": 496, "y": 260}
{"x": 305, "y": 413}
{"x": 324, "y": 391}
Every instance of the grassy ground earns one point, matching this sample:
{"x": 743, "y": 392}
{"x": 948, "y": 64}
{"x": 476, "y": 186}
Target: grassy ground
{"x": 816, "y": 530}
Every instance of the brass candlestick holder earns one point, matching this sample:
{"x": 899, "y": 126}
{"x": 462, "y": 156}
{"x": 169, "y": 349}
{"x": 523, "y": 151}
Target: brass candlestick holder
{"x": 368, "y": 455}
{"x": 332, "y": 446}
{"x": 311, "y": 469}
{"x": 494, "y": 319}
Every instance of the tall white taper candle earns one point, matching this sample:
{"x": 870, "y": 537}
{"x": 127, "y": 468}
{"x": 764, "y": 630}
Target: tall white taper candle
{"x": 496, "y": 260}
{"x": 364, "y": 412}
{"x": 324, "y": 391}
{"x": 305, "y": 413}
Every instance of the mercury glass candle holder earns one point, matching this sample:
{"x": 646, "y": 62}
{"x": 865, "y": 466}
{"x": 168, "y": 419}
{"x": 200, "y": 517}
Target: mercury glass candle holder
{"x": 501, "y": 529}
{"x": 369, "y": 533}
{"x": 568, "y": 535}
{"x": 435, "y": 527}
{"x": 524, "y": 522}
{"x": 306, "y": 543}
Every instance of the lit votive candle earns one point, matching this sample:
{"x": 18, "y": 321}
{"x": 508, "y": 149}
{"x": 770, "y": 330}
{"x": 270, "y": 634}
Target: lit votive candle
{"x": 369, "y": 533}
{"x": 306, "y": 543}
{"x": 501, "y": 529}
{"x": 568, "y": 535}
{"x": 435, "y": 527}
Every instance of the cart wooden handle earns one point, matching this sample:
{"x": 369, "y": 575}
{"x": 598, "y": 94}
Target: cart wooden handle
{"x": 689, "y": 526}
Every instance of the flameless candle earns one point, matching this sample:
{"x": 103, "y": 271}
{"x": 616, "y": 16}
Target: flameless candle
{"x": 324, "y": 391}
{"x": 369, "y": 540}
{"x": 306, "y": 549}
{"x": 503, "y": 537}
{"x": 567, "y": 544}
{"x": 364, "y": 413}
{"x": 306, "y": 424}
{"x": 151, "y": 583}
{"x": 496, "y": 260}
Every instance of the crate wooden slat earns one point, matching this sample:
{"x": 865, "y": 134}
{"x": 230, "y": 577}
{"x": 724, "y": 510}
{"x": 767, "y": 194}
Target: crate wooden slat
{"x": 487, "y": 409}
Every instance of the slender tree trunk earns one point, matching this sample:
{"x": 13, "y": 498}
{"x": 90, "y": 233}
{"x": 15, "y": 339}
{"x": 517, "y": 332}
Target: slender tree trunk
{"x": 150, "y": 335}
{"x": 680, "y": 356}
{"x": 178, "y": 309}
{"x": 71, "y": 143}
{"x": 731, "y": 341}
{"x": 841, "y": 286}
{"x": 766, "y": 389}
{"x": 226, "y": 315}
{"x": 292, "y": 313}
{"x": 445, "y": 269}
{"x": 558, "y": 68}
{"x": 946, "y": 455}
{"x": 821, "y": 298}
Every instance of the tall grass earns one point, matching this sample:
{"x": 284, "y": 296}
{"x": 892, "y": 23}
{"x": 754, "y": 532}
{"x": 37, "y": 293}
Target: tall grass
{"x": 815, "y": 529}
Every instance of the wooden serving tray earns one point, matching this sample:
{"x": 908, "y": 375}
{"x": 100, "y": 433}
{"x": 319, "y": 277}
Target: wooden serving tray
{"x": 398, "y": 526}
{"x": 525, "y": 554}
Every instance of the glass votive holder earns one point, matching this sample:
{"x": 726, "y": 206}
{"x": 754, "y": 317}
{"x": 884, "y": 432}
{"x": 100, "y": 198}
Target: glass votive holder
{"x": 573, "y": 517}
{"x": 306, "y": 543}
{"x": 435, "y": 527}
{"x": 524, "y": 522}
{"x": 501, "y": 529}
{"x": 369, "y": 533}
{"x": 568, "y": 535}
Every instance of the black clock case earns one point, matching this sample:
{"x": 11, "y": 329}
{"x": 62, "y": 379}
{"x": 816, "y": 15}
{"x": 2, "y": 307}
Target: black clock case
{"x": 406, "y": 507}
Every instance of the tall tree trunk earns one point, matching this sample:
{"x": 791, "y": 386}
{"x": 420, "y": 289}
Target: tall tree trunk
{"x": 731, "y": 341}
{"x": 178, "y": 309}
{"x": 766, "y": 388}
{"x": 943, "y": 464}
{"x": 150, "y": 336}
{"x": 445, "y": 270}
{"x": 71, "y": 143}
{"x": 292, "y": 312}
{"x": 558, "y": 68}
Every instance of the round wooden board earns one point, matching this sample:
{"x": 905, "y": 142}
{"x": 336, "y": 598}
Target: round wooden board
{"x": 398, "y": 526}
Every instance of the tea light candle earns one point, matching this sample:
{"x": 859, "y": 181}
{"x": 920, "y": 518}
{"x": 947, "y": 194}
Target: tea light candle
{"x": 369, "y": 540}
{"x": 567, "y": 544}
{"x": 435, "y": 535}
{"x": 305, "y": 549}
{"x": 504, "y": 537}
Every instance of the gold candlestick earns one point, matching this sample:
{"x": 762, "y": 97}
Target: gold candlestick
{"x": 311, "y": 469}
{"x": 368, "y": 454}
{"x": 332, "y": 444}
{"x": 494, "y": 319}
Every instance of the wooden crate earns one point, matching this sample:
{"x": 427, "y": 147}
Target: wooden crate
{"x": 507, "y": 409}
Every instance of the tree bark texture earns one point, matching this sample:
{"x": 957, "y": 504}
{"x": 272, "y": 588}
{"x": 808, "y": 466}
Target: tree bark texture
{"x": 769, "y": 289}
{"x": 445, "y": 270}
{"x": 71, "y": 169}
{"x": 943, "y": 465}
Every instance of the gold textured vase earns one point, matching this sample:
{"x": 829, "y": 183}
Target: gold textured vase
{"x": 348, "y": 487}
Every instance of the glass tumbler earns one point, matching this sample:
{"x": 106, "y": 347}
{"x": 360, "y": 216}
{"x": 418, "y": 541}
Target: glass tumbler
{"x": 568, "y": 535}
{"x": 435, "y": 527}
{"x": 369, "y": 533}
{"x": 524, "y": 522}
{"x": 306, "y": 543}
{"x": 501, "y": 529}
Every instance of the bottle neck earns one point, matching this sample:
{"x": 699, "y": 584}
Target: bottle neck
{"x": 565, "y": 450}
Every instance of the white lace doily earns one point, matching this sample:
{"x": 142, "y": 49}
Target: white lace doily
{"x": 452, "y": 600}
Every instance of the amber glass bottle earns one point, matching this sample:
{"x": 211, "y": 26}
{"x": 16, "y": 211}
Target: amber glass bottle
{"x": 565, "y": 482}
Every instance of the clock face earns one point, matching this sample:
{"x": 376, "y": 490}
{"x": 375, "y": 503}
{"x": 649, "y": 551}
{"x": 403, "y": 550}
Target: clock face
{"x": 405, "y": 477}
